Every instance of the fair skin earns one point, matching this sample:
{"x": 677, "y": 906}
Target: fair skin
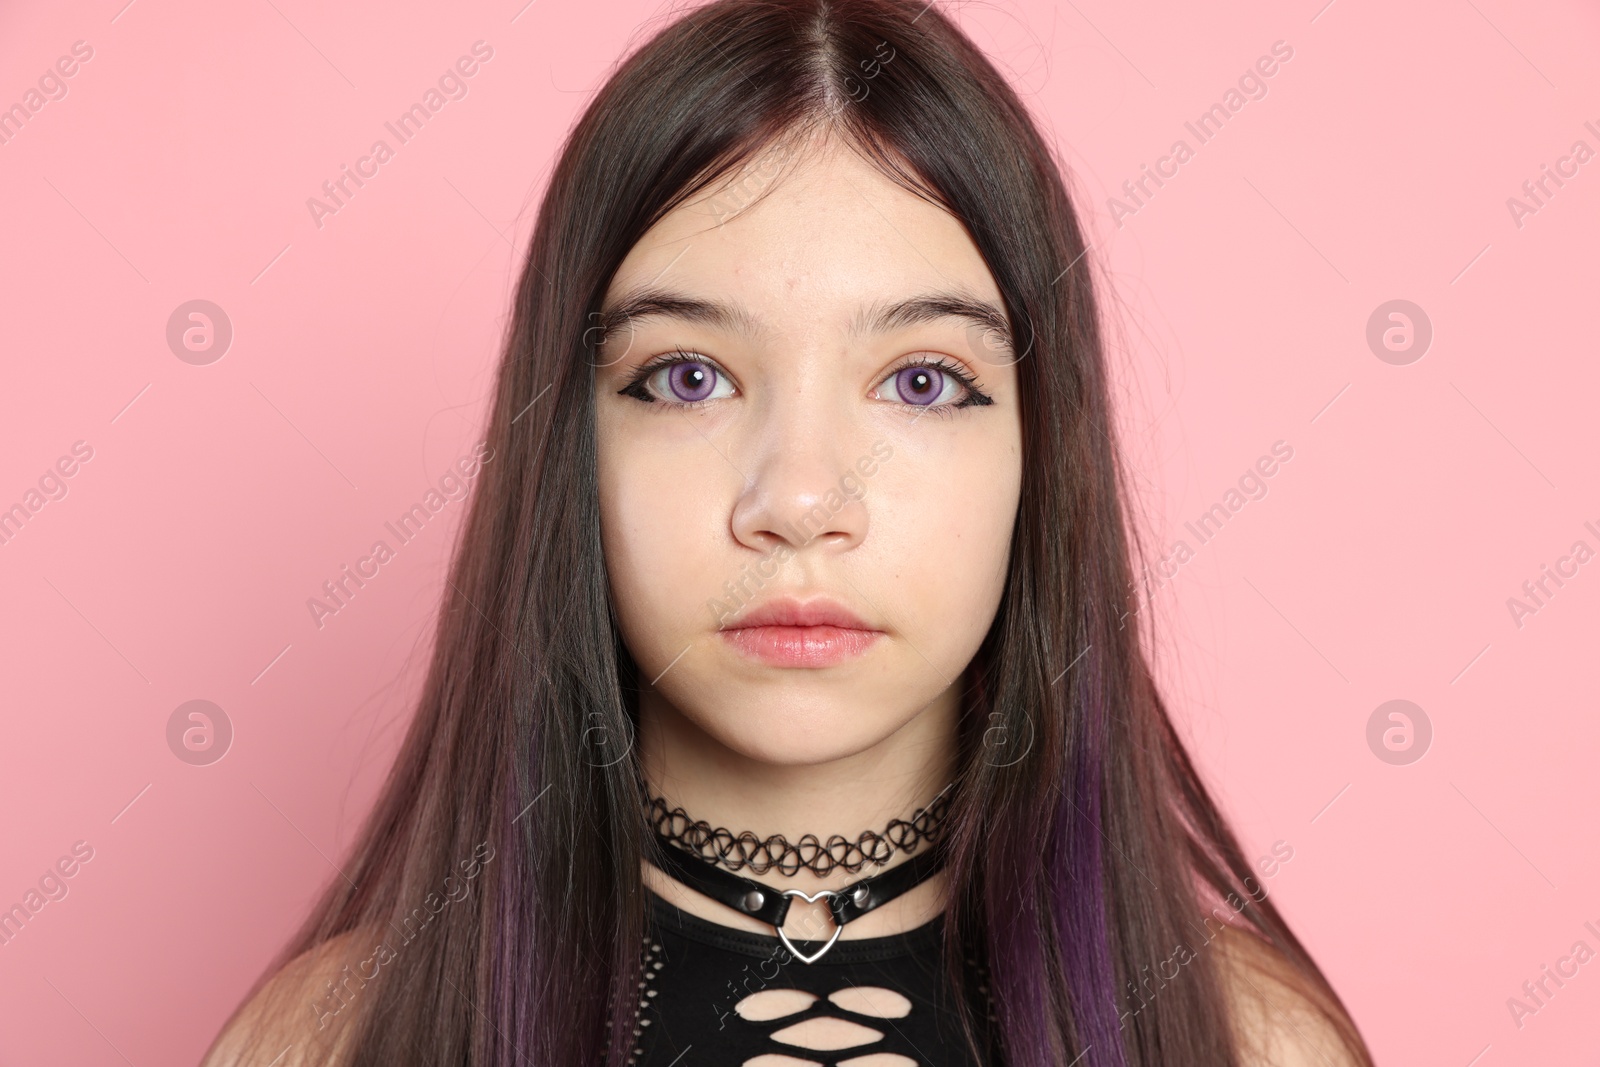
{"x": 692, "y": 498}
{"x": 748, "y": 488}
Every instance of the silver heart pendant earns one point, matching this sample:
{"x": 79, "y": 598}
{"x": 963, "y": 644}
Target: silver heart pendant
{"x": 809, "y": 899}
{"x": 802, "y": 957}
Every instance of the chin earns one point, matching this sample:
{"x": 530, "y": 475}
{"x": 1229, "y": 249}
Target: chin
{"x": 784, "y": 736}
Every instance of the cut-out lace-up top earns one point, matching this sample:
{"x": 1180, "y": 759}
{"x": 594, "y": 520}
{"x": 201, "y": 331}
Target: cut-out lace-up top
{"x": 715, "y": 996}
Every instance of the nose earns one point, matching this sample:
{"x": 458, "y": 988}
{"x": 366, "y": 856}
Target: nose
{"x": 804, "y": 487}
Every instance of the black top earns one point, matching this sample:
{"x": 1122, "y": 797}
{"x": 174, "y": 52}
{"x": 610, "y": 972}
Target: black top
{"x": 714, "y": 996}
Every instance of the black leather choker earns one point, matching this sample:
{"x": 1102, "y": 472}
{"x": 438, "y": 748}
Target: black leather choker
{"x": 772, "y": 905}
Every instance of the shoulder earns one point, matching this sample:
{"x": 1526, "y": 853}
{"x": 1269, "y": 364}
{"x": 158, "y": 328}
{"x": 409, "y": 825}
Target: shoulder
{"x": 297, "y": 1017}
{"x": 1279, "y": 1023}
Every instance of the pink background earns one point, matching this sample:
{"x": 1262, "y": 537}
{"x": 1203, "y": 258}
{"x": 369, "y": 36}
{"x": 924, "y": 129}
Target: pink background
{"x": 220, "y": 497}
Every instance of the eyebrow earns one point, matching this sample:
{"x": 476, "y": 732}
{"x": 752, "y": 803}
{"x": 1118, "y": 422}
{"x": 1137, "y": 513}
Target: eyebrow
{"x": 734, "y": 317}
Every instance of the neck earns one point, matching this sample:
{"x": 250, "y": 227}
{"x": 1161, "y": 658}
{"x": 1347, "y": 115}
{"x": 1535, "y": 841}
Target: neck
{"x": 865, "y": 790}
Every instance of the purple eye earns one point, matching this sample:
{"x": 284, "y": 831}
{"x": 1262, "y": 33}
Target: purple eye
{"x": 920, "y": 385}
{"x": 681, "y": 381}
{"x": 691, "y": 382}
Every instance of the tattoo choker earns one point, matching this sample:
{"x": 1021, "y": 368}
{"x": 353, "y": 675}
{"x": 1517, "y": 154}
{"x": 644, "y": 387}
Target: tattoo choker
{"x": 721, "y": 847}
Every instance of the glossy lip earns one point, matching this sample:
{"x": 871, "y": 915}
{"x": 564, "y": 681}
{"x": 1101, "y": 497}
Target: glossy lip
{"x": 789, "y": 633}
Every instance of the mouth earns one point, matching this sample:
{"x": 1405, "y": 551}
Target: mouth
{"x": 801, "y": 646}
{"x": 789, "y": 633}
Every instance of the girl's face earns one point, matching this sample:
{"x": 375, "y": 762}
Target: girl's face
{"x": 810, "y": 406}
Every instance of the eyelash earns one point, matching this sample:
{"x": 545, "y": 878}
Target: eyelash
{"x": 636, "y": 387}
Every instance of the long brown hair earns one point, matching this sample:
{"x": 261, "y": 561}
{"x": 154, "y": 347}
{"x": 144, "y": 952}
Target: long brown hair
{"x": 493, "y": 909}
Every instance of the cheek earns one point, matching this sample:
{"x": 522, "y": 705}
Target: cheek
{"x": 976, "y": 545}
{"x": 657, "y": 531}
{"x": 947, "y": 539}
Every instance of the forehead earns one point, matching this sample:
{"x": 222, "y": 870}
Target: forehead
{"x": 814, "y": 239}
